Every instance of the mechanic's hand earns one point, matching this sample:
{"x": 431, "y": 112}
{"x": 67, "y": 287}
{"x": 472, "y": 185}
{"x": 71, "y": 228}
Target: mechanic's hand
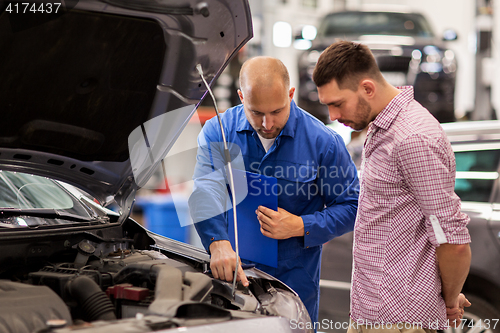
{"x": 279, "y": 224}
{"x": 455, "y": 311}
{"x": 223, "y": 262}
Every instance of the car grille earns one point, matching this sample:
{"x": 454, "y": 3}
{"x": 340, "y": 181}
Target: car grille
{"x": 389, "y": 63}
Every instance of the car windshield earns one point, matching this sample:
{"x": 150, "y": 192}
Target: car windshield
{"x": 375, "y": 23}
{"x": 39, "y": 198}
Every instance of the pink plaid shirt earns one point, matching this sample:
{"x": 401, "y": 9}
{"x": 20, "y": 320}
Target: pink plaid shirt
{"x": 407, "y": 208}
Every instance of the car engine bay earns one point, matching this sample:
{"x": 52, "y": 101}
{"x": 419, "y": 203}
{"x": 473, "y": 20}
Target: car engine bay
{"x": 108, "y": 277}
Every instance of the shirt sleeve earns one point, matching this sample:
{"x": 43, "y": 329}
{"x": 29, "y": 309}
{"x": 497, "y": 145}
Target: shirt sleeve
{"x": 339, "y": 186}
{"x": 428, "y": 169}
{"x": 209, "y": 199}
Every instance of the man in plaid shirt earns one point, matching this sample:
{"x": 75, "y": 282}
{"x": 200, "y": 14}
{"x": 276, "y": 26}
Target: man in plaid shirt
{"x": 411, "y": 251}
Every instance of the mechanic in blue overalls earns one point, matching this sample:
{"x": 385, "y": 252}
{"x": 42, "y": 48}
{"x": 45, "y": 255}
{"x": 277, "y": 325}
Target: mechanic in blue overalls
{"x": 317, "y": 180}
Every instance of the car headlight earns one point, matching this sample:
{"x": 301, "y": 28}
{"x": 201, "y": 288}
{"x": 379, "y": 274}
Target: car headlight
{"x": 431, "y": 67}
{"x": 449, "y": 62}
{"x": 433, "y": 60}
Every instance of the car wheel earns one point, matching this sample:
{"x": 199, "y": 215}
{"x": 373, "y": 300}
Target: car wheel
{"x": 480, "y": 317}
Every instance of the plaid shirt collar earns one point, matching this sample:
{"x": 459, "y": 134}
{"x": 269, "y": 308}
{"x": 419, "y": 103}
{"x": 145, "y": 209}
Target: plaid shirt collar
{"x": 386, "y": 117}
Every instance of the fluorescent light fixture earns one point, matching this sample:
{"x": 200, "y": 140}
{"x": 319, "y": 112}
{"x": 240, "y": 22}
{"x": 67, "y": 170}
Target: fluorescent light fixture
{"x": 309, "y": 32}
{"x": 302, "y": 44}
{"x": 282, "y": 34}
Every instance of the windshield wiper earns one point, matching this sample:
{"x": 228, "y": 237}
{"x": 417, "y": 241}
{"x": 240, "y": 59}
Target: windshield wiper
{"x": 44, "y": 212}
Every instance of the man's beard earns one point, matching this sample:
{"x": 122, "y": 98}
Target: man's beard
{"x": 362, "y": 116}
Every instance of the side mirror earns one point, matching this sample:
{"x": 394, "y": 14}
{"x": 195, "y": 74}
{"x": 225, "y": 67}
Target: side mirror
{"x": 449, "y": 35}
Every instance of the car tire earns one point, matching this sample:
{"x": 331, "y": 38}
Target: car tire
{"x": 480, "y": 317}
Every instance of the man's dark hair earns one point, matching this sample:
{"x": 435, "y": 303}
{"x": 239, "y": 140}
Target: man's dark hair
{"x": 347, "y": 63}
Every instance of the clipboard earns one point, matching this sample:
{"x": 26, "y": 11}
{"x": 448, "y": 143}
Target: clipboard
{"x": 260, "y": 190}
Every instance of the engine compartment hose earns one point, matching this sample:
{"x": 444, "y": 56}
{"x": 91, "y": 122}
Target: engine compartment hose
{"x": 94, "y": 303}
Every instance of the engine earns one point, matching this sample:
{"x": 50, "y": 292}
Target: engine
{"x": 145, "y": 289}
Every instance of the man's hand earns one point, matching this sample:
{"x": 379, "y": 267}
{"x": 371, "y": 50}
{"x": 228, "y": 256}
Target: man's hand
{"x": 456, "y": 311}
{"x": 223, "y": 262}
{"x": 279, "y": 224}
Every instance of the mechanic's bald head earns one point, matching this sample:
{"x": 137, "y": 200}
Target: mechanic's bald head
{"x": 266, "y": 95}
{"x": 263, "y": 73}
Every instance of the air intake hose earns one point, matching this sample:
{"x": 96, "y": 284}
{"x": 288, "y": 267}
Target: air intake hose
{"x": 95, "y": 305}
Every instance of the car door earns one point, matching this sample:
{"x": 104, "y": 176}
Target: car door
{"x": 477, "y": 183}
{"x": 495, "y": 216}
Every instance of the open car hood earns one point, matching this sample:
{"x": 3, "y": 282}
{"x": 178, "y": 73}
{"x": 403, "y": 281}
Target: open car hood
{"x": 96, "y": 94}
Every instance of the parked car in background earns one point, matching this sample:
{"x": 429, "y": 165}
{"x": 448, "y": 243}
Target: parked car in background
{"x": 407, "y": 52}
{"x": 92, "y": 98}
{"x": 477, "y": 153}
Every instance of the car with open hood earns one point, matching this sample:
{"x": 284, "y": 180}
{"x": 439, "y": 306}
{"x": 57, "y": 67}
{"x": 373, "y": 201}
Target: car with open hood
{"x": 93, "y": 96}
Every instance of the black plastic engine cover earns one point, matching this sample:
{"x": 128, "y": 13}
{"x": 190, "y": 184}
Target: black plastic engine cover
{"x": 27, "y": 308}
